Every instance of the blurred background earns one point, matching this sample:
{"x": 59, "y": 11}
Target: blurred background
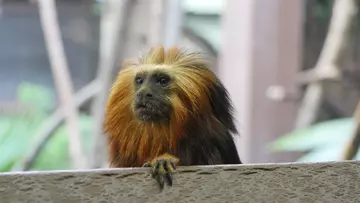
{"x": 291, "y": 68}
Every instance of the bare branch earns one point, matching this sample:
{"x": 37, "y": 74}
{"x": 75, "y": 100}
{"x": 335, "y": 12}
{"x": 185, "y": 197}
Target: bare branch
{"x": 114, "y": 24}
{"x": 337, "y": 40}
{"x": 200, "y": 41}
{"x": 48, "y": 128}
{"x": 11, "y": 108}
{"x": 57, "y": 58}
{"x": 312, "y": 76}
{"x": 352, "y": 147}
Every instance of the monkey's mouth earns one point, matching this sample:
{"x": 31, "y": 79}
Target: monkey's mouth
{"x": 148, "y": 111}
{"x": 144, "y": 107}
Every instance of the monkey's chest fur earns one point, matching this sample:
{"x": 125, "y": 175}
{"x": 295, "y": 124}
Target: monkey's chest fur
{"x": 133, "y": 148}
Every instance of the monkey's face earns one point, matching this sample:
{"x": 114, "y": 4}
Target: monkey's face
{"x": 151, "y": 92}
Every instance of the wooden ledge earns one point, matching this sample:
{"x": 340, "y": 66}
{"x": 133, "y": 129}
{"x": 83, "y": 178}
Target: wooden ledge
{"x": 291, "y": 182}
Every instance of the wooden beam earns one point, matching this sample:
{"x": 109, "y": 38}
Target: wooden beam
{"x": 261, "y": 48}
{"x": 306, "y": 182}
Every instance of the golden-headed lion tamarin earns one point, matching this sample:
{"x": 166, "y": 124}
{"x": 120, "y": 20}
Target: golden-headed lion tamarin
{"x": 166, "y": 109}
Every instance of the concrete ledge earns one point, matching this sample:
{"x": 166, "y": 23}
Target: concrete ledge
{"x": 295, "y": 182}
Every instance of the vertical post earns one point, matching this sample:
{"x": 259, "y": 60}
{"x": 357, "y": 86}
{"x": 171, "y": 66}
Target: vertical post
{"x": 166, "y": 22}
{"x": 261, "y": 48}
{"x": 113, "y": 20}
{"x": 173, "y": 22}
{"x": 62, "y": 79}
{"x": 156, "y": 22}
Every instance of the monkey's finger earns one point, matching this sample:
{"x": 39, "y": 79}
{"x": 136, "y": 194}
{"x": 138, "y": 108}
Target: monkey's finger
{"x": 173, "y": 165}
{"x": 158, "y": 169}
{"x": 160, "y": 180}
{"x": 169, "y": 178}
{"x": 169, "y": 169}
{"x": 170, "y": 166}
{"x": 147, "y": 164}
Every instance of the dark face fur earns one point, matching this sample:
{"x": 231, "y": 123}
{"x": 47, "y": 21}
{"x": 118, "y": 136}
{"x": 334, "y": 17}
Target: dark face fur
{"x": 151, "y": 89}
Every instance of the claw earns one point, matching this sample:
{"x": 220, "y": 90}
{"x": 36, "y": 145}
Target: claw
{"x": 147, "y": 164}
{"x": 163, "y": 168}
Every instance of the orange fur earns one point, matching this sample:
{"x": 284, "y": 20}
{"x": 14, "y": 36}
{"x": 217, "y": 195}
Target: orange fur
{"x": 138, "y": 142}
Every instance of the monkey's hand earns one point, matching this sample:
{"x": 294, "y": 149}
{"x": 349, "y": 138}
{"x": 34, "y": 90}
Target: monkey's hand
{"x": 163, "y": 168}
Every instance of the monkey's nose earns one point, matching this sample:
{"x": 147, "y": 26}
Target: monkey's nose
{"x": 144, "y": 94}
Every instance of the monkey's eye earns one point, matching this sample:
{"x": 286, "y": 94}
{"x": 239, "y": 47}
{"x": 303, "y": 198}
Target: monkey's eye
{"x": 139, "y": 80}
{"x": 163, "y": 81}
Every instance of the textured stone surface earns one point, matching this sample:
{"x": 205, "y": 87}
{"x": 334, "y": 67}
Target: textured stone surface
{"x": 311, "y": 182}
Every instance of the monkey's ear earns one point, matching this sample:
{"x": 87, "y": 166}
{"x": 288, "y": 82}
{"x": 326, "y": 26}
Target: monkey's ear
{"x": 172, "y": 55}
{"x": 155, "y": 55}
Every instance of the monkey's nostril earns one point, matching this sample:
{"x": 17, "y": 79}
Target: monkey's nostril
{"x": 144, "y": 95}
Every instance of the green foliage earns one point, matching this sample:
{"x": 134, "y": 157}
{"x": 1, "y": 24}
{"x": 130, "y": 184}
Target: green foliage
{"x": 323, "y": 141}
{"x": 15, "y": 135}
{"x": 17, "y": 132}
{"x": 55, "y": 153}
{"x": 38, "y": 97}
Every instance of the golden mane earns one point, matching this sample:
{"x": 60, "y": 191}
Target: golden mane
{"x": 138, "y": 142}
